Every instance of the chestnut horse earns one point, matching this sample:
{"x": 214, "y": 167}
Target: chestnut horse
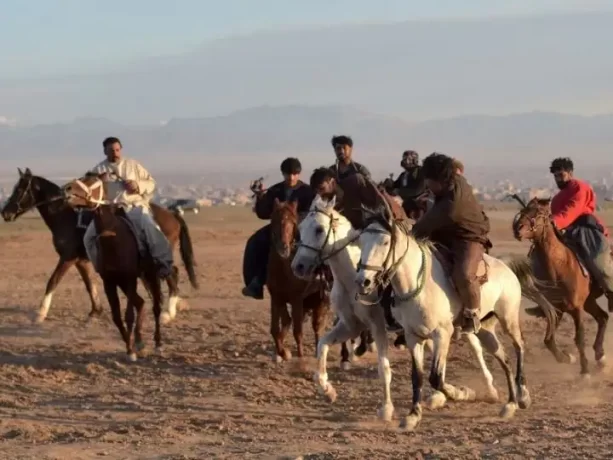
{"x": 570, "y": 291}
{"x": 68, "y": 227}
{"x": 285, "y": 288}
{"x": 120, "y": 263}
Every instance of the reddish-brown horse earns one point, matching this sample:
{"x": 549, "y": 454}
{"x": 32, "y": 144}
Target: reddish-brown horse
{"x": 285, "y": 288}
{"x": 570, "y": 291}
{"x": 120, "y": 263}
{"x": 32, "y": 191}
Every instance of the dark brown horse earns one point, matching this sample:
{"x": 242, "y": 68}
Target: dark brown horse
{"x": 570, "y": 291}
{"x": 68, "y": 227}
{"x": 285, "y": 288}
{"x": 120, "y": 263}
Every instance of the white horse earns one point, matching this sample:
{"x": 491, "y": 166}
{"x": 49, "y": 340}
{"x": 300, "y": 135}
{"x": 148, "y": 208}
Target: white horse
{"x": 327, "y": 237}
{"x": 427, "y": 303}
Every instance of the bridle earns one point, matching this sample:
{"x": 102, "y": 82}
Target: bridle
{"x": 322, "y": 257}
{"x": 383, "y": 275}
{"x": 89, "y": 193}
{"x": 28, "y": 190}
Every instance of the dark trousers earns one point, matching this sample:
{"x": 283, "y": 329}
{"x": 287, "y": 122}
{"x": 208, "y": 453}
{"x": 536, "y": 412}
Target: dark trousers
{"x": 255, "y": 258}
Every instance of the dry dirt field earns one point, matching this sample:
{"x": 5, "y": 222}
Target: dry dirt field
{"x": 68, "y": 392}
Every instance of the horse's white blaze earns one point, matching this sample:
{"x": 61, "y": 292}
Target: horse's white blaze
{"x": 44, "y": 307}
{"x": 427, "y": 303}
{"x": 324, "y": 233}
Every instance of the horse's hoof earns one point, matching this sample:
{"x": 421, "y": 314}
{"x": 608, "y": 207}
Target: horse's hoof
{"x": 468, "y": 394}
{"x": 286, "y": 355}
{"x": 571, "y": 358}
{"x": 345, "y": 365}
{"x": 372, "y": 347}
{"x": 508, "y": 410}
{"x": 330, "y": 394}
{"x": 39, "y": 319}
{"x": 140, "y": 346}
{"x": 436, "y": 400}
{"x": 585, "y": 377}
{"x": 524, "y": 399}
{"x": 165, "y": 318}
{"x": 159, "y": 350}
{"x": 277, "y": 359}
{"x": 400, "y": 347}
{"x": 492, "y": 396}
{"x": 410, "y": 422}
{"x": 602, "y": 362}
{"x": 132, "y": 357}
{"x": 386, "y": 412}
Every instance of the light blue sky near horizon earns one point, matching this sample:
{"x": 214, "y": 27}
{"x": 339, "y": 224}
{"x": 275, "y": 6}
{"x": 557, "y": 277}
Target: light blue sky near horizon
{"x": 43, "y": 37}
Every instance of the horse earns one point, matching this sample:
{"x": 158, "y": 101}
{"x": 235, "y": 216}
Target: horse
{"x": 303, "y": 296}
{"x": 572, "y": 291}
{"x": 68, "y": 227}
{"x": 426, "y": 305}
{"x": 120, "y": 263}
{"x": 285, "y": 288}
{"x": 328, "y": 237}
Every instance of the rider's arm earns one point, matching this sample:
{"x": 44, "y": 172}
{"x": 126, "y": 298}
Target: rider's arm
{"x": 439, "y": 216}
{"x": 574, "y": 206}
{"x": 364, "y": 171}
{"x": 146, "y": 184}
{"x": 264, "y": 203}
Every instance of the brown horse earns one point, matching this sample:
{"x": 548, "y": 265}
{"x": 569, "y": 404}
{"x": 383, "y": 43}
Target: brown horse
{"x": 120, "y": 263}
{"x": 68, "y": 227}
{"x": 285, "y": 288}
{"x": 570, "y": 291}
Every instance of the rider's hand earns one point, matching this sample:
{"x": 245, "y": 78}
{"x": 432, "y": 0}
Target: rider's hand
{"x": 256, "y": 186}
{"x": 105, "y": 177}
{"x": 131, "y": 186}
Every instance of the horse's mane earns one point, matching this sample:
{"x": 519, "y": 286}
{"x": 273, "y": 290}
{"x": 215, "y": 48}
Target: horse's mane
{"x": 47, "y": 183}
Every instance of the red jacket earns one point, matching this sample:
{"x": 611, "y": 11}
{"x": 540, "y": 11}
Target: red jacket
{"x": 573, "y": 201}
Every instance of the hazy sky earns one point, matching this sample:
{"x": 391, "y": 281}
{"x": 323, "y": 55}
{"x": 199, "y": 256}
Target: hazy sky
{"x": 58, "y": 37}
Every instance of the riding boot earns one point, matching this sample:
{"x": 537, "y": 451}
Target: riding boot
{"x": 255, "y": 289}
{"x": 387, "y": 303}
{"x": 610, "y": 301}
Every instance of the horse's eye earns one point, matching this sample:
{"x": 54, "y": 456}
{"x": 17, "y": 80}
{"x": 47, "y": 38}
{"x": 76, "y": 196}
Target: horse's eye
{"x": 319, "y": 231}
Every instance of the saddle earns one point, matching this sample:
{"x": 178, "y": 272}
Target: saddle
{"x": 446, "y": 258}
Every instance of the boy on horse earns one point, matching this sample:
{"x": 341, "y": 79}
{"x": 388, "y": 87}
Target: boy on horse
{"x": 255, "y": 259}
{"x": 410, "y": 185}
{"x": 458, "y": 222}
{"x": 572, "y": 211}
{"x": 132, "y": 187}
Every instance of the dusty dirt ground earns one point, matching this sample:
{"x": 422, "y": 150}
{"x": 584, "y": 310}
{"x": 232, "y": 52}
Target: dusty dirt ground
{"x": 68, "y": 392}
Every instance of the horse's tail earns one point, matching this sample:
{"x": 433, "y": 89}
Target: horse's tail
{"x": 531, "y": 289}
{"x": 187, "y": 251}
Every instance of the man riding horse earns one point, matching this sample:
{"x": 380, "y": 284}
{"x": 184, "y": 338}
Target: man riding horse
{"x": 131, "y": 186}
{"x": 410, "y": 185}
{"x": 351, "y": 184}
{"x": 255, "y": 261}
{"x": 572, "y": 212}
{"x": 456, "y": 221}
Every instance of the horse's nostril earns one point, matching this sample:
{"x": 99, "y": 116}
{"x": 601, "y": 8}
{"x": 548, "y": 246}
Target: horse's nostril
{"x": 366, "y": 283}
{"x": 299, "y": 268}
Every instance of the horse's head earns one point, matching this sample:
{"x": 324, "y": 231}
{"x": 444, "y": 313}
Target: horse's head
{"x": 532, "y": 220}
{"x": 29, "y": 192}
{"x": 284, "y": 227}
{"x": 317, "y": 236}
{"x": 85, "y": 192}
{"x": 377, "y": 258}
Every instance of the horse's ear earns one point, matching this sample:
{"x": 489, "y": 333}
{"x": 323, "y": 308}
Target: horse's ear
{"x": 28, "y": 172}
{"x": 20, "y": 172}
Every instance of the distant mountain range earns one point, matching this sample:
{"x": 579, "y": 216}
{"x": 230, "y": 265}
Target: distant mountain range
{"x": 258, "y": 138}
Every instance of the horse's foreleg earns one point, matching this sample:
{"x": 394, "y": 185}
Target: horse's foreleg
{"x": 110, "y": 289}
{"x": 339, "y": 333}
{"x": 86, "y": 270}
{"x": 416, "y": 346}
{"x": 385, "y": 372}
{"x": 551, "y": 344}
{"x": 156, "y": 294}
{"x": 297, "y": 320}
{"x": 58, "y": 273}
{"x": 441, "y": 339}
{"x": 602, "y": 318}
{"x": 488, "y": 338}
{"x": 278, "y": 313}
{"x": 512, "y": 328}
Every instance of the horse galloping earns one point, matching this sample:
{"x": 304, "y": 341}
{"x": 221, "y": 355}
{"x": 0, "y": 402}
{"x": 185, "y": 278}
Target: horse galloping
{"x": 67, "y": 227}
{"x": 572, "y": 291}
{"x": 328, "y": 237}
{"x": 426, "y": 305}
{"x": 120, "y": 262}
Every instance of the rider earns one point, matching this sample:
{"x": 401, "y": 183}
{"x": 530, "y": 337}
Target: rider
{"x": 132, "y": 187}
{"x": 457, "y": 221}
{"x": 258, "y": 245}
{"x": 345, "y": 166}
{"x": 459, "y": 166}
{"x": 572, "y": 210}
{"x": 410, "y": 183}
